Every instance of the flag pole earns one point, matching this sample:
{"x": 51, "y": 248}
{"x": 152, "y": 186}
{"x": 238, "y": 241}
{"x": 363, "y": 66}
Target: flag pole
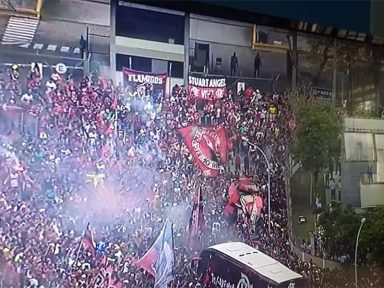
{"x": 163, "y": 236}
{"x": 198, "y": 210}
{"x": 173, "y": 250}
{"x": 77, "y": 255}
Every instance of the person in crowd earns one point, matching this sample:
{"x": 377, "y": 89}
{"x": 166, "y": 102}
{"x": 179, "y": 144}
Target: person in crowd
{"x": 126, "y": 171}
{"x": 333, "y": 187}
{"x": 257, "y": 66}
{"x": 234, "y": 64}
{"x": 370, "y": 173}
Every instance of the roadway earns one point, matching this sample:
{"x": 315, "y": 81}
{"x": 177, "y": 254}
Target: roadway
{"x": 56, "y": 38}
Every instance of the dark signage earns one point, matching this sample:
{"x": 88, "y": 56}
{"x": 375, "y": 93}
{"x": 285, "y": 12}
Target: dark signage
{"x": 322, "y": 93}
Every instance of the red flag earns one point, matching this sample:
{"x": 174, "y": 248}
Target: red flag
{"x": 230, "y": 212}
{"x": 147, "y": 262}
{"x": 113, "y": 281}
{"x": 88, "y": 242}
{"x": 114, "y": 103}
{"x": 103, "y": 260}
{"x": 234, "y": 196}
{"x": 208, "y": 146}
{"x": 247, "y": 185}
{"x": 222, "y": 144}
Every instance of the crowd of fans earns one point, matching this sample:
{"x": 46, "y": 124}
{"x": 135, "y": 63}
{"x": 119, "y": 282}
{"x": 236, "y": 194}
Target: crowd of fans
{"x": 100, "y": 155}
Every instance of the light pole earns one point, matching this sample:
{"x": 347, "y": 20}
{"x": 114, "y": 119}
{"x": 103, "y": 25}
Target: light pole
{"x": 269, "y": 180}
{"x": 357, "y": 244}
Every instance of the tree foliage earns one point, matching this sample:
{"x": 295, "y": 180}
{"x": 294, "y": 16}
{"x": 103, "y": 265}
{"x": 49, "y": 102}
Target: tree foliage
{"x": 340, "y": 228}
{"x": 372, "y": 235}
{"x": 317, "y": 136}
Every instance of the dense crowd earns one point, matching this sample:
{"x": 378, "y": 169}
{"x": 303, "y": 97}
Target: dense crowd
{"x": 101, "y": 155}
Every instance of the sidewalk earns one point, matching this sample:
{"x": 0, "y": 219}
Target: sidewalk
{"x": 80, "y": 11}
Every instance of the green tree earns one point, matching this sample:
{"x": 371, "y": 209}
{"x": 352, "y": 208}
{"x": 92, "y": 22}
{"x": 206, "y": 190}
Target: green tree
{"x": 372, "y": 235}
{"x": 317, "y": 137}
{"x": 339, "y": 226}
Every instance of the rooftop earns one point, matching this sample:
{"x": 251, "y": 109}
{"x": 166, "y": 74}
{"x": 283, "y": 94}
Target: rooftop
{"x": 258, "y": 261}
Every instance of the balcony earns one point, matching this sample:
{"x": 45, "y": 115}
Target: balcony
{"x": 371, "y": 190}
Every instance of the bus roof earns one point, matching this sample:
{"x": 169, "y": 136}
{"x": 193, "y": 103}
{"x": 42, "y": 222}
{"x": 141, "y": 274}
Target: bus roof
{"x": 261, "y": 263}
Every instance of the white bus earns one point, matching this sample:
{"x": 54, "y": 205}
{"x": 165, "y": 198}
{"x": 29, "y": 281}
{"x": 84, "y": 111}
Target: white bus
{"x": 235, "y": 264}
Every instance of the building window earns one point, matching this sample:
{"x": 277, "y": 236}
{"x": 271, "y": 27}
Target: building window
{"x": 149, "y": 25}
{"x": 177, "y": 69}
{"x": 138, "y": 63}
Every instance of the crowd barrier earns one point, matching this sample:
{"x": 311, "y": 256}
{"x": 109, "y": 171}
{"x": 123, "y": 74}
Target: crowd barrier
{"x": 266, "y": 85}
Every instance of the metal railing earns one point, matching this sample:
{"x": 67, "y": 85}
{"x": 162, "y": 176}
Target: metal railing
{"x": 371, "y": 178}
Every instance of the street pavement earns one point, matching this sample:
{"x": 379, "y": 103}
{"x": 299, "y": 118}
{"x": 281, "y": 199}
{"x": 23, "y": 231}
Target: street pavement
{"x": 17, "y": 55}
{"x": 56, "y": 36}
{"x": 19, "y": 31}
{"x": 80, "y": 11}
{"x": 17, "y": 4}
{"x": 22, "y": 45}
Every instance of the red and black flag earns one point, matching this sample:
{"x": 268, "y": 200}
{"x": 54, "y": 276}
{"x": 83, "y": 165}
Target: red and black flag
{"x": 88, "y": 240}
{"x": 197, "y": 216}
{"x": 208, "y": 146}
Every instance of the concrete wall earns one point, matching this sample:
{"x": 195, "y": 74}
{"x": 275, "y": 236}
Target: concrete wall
{"x": 371, "y": 194}
{"x": 81, "y": 11}
{"x": 222, "y": 31}
{"x": 379, "y": 140}
{"x": 364, "y": 125}
{"x": 149, "y": 49}
{"x": 226, "y": 37}
{"x": 364, "y": 146}
{"x": 350, "y": 181}
{"x": 359, "y": 147}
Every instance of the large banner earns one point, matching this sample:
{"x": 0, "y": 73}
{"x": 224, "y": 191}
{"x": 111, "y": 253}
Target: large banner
{"x": 208, "y": 146}
{"x": 207, "y": 87}
{"x": 144, "y": 83}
